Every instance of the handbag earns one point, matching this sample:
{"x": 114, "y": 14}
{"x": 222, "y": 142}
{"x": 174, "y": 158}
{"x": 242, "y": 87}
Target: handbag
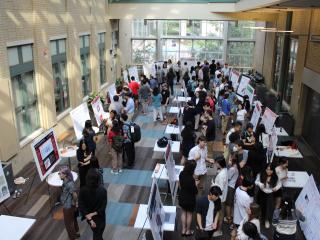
{"x": 162, "y": 142}
{"x": 201, "y": 234}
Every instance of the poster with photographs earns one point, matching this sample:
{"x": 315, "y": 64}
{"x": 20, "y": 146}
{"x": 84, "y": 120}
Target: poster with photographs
{"x": 156, "y": 214}
{"x": 256, "y": 114}
{"x": 268, "y": 119}
{"x": 171, "y": 171}
{"x": 79, "y": 116}
{"x": 243, "y": 83}
{"x": 234, "y": 78}
{"x": 45, "y": 153}
{"x": 133, "y": 72}
{"x": 250, "y": 93}
{"x": 4, "y": 190}
{"x": 98, "y": 110}
{"x": 308, "y": 203}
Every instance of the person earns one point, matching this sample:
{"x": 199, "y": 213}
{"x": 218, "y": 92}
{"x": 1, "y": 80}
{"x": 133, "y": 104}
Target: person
{"x": 144, "y": 95}
{"x": 129, "y": 108}
{"x": 248, "y": 137}
{"x": 177, "y": 69}
{"x": 210, "y": 99}
{"x": 153, "y": 82}
{"x": 246, "y": 103}
{"x": 207, "y": 209}
{"x": 170, "y": 80}
{"x": 116, "y": 105}
{"x": 285, "y": 220}
{"x": 165, "y": 93}
{"x": 221, "y": 181}
{"x": 225, "y": 113}
{"x": 191, "y": 86}
{"x": 188, "y": 140}
{"x": 212, "y": 68}
{"x": 241, "y": 114}
{"x": 206, "y": 74}
{"x": 187, "y": 196}
{"x": 84, "y": 156}
{"x": 210, "y": 131}
{"x": 116, "y": 139}
{"x": 93, "y": 203}
{"x": 128, "y": 145}
{"x": 189, "y": 114}
{"x": 257, "y": 159}
{"x": 268, "y": 183}
{"x": 199, "y": 154}
{"x": 156, "y": 105}
{"x": 250, "y": 232}
{"x": 134, "y": 87}
{"x": 198, "y": 102}
{"x": 226, "y": 70}
{"x": 193, "y": 72}
{"x": 89, "y": 136}
{"x": 262, "y": 137}
{"x": 69, "y": 201}
{"x": 282, "y": 173}
{"x": 184, "y": 69}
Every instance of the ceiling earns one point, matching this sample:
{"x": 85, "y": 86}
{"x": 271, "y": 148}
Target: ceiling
{"x": 298, "y": 4}
{"x": 173, "y": 1}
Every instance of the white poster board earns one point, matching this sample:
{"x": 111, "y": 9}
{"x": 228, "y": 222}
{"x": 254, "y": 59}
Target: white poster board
{"x": 268, "y": 119}
{"x": 125, "y": 76}
{"x": 156, "y": 214}
{"x": 111, "y": 91}
{"x": 98, "y": 111}
{"x": 273, "y": 141}
{"x": 250, "y": 93}
{"x": 45, "y": 153}
{"x": 79, "y": 116}
{"x": 191, "y": 62}
{"x": 308, "y": 203}
{"x": 256, "y": 114}
{"x": 171, "y": 170}
{"x": 4, "y": 190}
{"x": 234, "y": 78}
{"x": 133, "y": 71}
{"x": 149, "y": 70}
{"x": 243, "y": 83}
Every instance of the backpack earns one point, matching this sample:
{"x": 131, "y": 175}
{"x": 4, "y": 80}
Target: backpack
{"x": 117, "y": 143}
{"x": 134, "y": 133}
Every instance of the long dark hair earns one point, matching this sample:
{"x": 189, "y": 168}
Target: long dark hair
{"x": 116, "y": 128}
{"x": 93, "y": 178}
{"x": 189, "y": 167}
{"x": 155, "y": 91}
{"x": 274, "y": 177}
{"x": 251, "y": 230}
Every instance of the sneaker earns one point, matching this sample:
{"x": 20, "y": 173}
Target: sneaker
{"x": 267, "y": 224}
{"x": 120, "y": 170}
{"x": 114, "y": 172}
{"x": 217, "y": 233}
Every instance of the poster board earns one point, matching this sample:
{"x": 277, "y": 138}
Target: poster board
{"x": 4, "y": 190}
{"x": 45, "y": 153}
{"x": 79, "y": 116}
{"x": 112, "y": 91}
{"x": 234, "y": 78}
{"x": 133, "y": 71}
{"x": 308, "y": 203}
{"x": 250, "y": 93}
{"x": 149, "y": 70}
{"x": 156, "y": 214}
{"x": 191, "y": 62}
{"x": 273, "y": 141}
{"x": 257, "y": 111}
{"x": 268, "y": 119}
{"x": 242, "y": 87}
{"x": 98, "y": 111}
{"x": 170, "y": 166}
{"x": 125, "y": 76}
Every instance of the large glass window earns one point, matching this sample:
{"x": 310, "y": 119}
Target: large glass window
{"x": 241, "y": 29}
{"x": 102, "y": 57}
{"x": 214, "y": 29}
{"x": 24, "y": 89}
{"x": 291, "y": 70}
{"x": 276, "y": 76}
{"x": 144, "y": 28}
{"x": 144, "y": 51}
{"x": 240, "y": 54}
{"x": 59, "y": 71}
{"x": 85, "y": 64}
{"x": 170, "y": 27}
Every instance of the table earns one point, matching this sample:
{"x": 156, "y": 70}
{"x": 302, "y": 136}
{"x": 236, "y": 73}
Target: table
{"x": 176, "y": 110}
{"x": 175, "y": 147}
{"x": 54, "y": 179}
{"x": 173, "y": 129}
{"x": 142, "y": 220}
{"x": 285, "y": 151}
{"x": 162, "y": 173}
{"x": 184, "y": 99}
{"x": 296, "y": 179}
{"x": 281, "y": 132}
{"x": 68, "y": 152}
{"x": 14, "y": 228}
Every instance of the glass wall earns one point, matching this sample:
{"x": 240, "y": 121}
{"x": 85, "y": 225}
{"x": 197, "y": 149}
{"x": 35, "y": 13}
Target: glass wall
{"x": 102, "y": 57}
{"x": 276, "y": 76}
{"x": 85, "y": 64}
{"x": 24, "y": 89}
{"x": 143, "y": 51}
{"x": 59, "y": 71}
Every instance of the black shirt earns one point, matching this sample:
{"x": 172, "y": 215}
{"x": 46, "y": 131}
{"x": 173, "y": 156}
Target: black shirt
{"x": 202, "y": 207}
{"x": 211, "y": 130}
{"x": 212, "y": 68}
{"x": 188, "y": 189}
{"x": 165, "y": 95}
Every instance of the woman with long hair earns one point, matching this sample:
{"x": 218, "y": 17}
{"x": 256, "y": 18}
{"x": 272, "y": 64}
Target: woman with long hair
{"x": 187, "y": 196}
{"x": 69, "y": 201}
{"x": 282, "y": 173}
{"x": 84, "y": 161}
{"x": 188, "y": 140}
{"x": 89, "y": 136}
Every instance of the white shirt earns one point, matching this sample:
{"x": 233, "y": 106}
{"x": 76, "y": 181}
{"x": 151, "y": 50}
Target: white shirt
{"x": 241, "y": 114}
{"x": 232, "y": 130}
{"x": 198, "y": 89}
{"x": 242, "y": 202}
{"x": 233, "y": 174}
{"x": 264, "y": 139}
{"x": 281, "y": 173}
{"x": 201, "y": 167}
{"x": 209, "y": 217}
{"x": 225, "y": 71}
{"x": 266, "y": 187}
{"x": 222, "y": 182}
{"x": 200, "y": 74}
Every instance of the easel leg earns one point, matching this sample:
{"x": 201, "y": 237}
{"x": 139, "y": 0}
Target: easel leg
{"x": 50, "y": 204}
{"x": 33, "y": 178}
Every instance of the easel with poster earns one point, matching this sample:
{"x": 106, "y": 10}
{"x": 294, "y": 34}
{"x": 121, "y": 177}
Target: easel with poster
{"x": 243, "y": 83}
{"x": 234, "y": 78}
{"x": 133, "y": 72}
{"x": 99, "y": 113}
{"x": 4, "y": 189}
{"x": 171, "y": 170}
{"x": 125, "y": 76}
{"x": 268, "y": 119}
{"x": 250, "y": 93}
{"x": 273, "y": 140}
{"x": 79, "y": 116}
{"x": 256, "y": 114}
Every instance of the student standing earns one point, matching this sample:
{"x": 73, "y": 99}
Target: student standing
{"x": 282, "y": 173}
{"x": 170, "y": 79}
{"x": 156, "y": 104}
{"x": 198, "y": 102}
{"x": 84, "y": 156}
{"x": 210, "y": 131}
{"x": 144, "y": 95}
{"x": 89, "y": 136}
{"x": 116, "y": 139}
{"x": 165, "y": 93}
{"x": 225, "y": 113}
{"x": 129, "y": 108}
{"x": 134, "y": 87}
{"x": 188, "y": 140}
{"x": 93, "y": 203}
{"x": 241, "y": 114}
{"x": 128, "y": 145}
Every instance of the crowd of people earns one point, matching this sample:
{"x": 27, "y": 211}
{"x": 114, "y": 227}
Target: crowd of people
{"x": 247, "y": 189}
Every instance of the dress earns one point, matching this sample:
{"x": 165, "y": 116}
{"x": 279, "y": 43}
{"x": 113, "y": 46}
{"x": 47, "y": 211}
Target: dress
{"x": 188, "y": 192}
{"x": 188, "y": 141}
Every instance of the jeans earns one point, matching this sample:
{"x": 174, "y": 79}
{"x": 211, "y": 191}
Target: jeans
{"x": 116, "y": 159}
{"x": 156, "y": 111}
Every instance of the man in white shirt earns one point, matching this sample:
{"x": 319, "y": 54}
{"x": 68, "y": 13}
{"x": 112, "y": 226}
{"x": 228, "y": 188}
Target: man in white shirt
{"x": 199, "y": 153}
{"x": 116, "y": 105}
{"x": 129, "y": 109}
{"x": 236, "y": 128}
{"x": 226, "y": 70}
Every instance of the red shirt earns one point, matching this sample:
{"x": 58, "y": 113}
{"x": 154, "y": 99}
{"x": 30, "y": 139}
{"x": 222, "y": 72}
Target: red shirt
{"x": 134, "y": 86}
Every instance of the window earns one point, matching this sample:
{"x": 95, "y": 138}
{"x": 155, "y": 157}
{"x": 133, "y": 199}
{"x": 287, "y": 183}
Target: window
{"x": 85, "y": 64}
{"x": 102, "y": 57}
{"x": 24, "y": 89}
{"x": 143, "y": 51}
{"x": 171, "y": 48}
{"x": 59, "y": 71}
{"x": 170, "y": 27}
{"x": 144, "y": 28}
{"x": 240, "y": 54}
{"x": 276, "y": 76}
{"x": 214, "y": 49}
{"x": 241, "y": 29}
{"x": 291, "y": 70}
{"x": 214, "y": 29}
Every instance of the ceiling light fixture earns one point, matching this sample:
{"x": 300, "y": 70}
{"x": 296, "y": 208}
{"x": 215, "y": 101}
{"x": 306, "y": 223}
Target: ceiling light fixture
{"x": 260, "y": 28}
{"x": 277, "y": 31}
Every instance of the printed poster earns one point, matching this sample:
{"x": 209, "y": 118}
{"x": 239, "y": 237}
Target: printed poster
{"x": 4, "y": 190}
{"x": 250, "y": 93}
{"x": 308, "y": 203}
{"x": 149, "y": 70}
{"x": 45, "y": 153}
{"x": 256, "y": 114}
{"x": 98, "y": 111}
{"x": 242, "y": 88}
{"x": 171, "y": 171}
{"x": 156, "y": 214}
{"x": 79, "y": 116}
{"x": 235, "y": 78}
{"x": 268, "y": 119}
{"x": 111, "y": 91}
{"x": 125, "y": 76}
{"x": 133, "y": 71}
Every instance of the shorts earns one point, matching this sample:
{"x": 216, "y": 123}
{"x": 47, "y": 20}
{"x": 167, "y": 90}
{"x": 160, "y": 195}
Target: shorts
{"x": 230, "y": 197}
